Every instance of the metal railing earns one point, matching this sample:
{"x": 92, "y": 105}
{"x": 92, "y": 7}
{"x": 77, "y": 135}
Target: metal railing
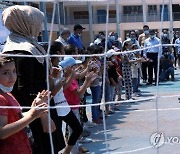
{"x": 100, "y": 19}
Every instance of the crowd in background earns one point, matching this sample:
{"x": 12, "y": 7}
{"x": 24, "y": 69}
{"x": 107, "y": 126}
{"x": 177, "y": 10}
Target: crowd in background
{"x": 71, "y": 76}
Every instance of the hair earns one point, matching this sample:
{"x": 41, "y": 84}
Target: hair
{"x": 95, "y": 49}
{"x": 5, "y": 60}
{"x": 65, "y": 31}
{"x": 145, "y": 26}
{"x": 132, "y": 31}
{"x": 125, "y": 45}
{"x": 55, "y": 47}
{"x": 134, "y": 46}
{"x": 70, "y": 49}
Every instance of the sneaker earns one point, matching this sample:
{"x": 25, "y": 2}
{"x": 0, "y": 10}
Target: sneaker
{"x": 83, "y": 150}
{"x": 89, "y": 124}
{"x": 136, "y": 94}
{"x": 85, "y": 140}
{"x": 98, "y": 121}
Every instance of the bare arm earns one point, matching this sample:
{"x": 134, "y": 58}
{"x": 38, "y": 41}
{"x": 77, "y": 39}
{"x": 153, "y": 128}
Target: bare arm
{"x": 7, "y": 130}
{"x": 82, "y": 74}
{"x": 88, "y": 80}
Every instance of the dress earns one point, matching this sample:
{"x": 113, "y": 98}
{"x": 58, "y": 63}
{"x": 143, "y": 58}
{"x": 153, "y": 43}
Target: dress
{"x": 17, "y": 143}
{"x": 31, "y": 79}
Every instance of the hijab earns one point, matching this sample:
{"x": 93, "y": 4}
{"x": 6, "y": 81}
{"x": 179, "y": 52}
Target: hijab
{"x": 24, "y": 23}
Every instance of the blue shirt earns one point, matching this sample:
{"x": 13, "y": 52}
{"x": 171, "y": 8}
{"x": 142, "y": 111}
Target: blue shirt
{"x": 149, "y": 43}
{"x": 76, "y": 40}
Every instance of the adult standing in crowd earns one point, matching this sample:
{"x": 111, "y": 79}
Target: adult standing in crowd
{"x": 176, "y": 35}
{"x": 64, "y": 36}
{"x": 25, "y": 23}
{"x": 151, "y": 54}
{"x": 165, "y": 40}
{"x": 75, "y": 38}
{"x": 141, "y": 40}
{"x": 177, "y": 48}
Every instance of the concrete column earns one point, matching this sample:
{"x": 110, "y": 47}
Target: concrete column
{"x": 144, "y": 12}
{"x": 117, "y": 18}
{"x": 58, "y": 18}
{"x": 90, "y": 21}
{"x": 171, "y": 20}
{"x": 45, "y": 31}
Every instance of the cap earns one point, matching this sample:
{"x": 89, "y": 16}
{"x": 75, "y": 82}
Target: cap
{"x": 69, "y": 61}
{"x": 78, "y": 26}
{"x": 110, "y": 53}
{"x": 117, "y": 49}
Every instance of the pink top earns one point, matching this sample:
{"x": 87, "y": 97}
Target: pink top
{"x": 71, "y": 97}
{"x": 17, "y": 143}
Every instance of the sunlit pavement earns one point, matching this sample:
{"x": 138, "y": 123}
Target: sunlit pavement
{"x": 138, "y": 127}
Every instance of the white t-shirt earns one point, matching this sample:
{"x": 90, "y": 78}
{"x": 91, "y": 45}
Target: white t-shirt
{"x": 60, "y": 100}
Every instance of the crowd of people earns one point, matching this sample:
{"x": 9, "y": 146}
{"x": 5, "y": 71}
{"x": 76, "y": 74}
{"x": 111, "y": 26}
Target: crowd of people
{"x": 23, "y": 80}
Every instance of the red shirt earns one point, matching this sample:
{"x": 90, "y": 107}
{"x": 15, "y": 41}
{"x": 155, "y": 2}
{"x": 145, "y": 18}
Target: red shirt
{"x": 17, "y": 143}
{"x": 71, "y": 97}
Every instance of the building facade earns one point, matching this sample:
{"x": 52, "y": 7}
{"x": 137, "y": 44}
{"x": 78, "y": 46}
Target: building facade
{"x": 124, "y": 15}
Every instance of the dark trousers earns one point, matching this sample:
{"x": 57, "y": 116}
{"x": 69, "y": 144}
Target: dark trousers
{"x": 152, "y": 66}
{"x": 75, "y": 125}
{"x": 144, "y": 70}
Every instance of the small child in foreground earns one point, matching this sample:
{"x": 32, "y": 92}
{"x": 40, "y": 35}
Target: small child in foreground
{"x": 15, "y": 135}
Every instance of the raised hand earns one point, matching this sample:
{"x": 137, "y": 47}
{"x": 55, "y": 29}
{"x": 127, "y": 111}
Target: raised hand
{"x": 42, "y": 97}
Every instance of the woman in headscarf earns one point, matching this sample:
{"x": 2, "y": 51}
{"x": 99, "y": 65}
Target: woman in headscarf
{"x": 25, "y": 23}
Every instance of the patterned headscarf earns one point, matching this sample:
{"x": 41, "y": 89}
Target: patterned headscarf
{"x": 25, "y": 23}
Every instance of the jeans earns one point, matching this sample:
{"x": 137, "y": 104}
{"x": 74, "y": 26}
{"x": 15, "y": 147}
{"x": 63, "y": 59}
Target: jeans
{"x": 135, "y": 84}
{"x": 96, "y": 94}
{"x": 165, "y": 73}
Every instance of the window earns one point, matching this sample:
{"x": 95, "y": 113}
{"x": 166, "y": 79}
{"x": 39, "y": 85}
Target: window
{"x": 152, "y": 9}
{"x": 81, "y": 15}
{"x": 112, "y": 13}
{"x": 128, "y": 10}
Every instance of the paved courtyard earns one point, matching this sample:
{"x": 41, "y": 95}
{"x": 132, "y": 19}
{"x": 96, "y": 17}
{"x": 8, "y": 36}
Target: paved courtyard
{"x": 138, "y": 126}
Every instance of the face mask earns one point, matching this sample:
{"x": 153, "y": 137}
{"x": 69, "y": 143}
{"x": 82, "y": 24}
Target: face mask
{"x": 165, "y": 35}
{"x": 112, "y": 38}
{"x": 152, "y": 37}
{"x": 146, "y": 32}
{"x": 133, "y": 39}
{"x": 177, "y": 36}
{"x": 6, "y": 89}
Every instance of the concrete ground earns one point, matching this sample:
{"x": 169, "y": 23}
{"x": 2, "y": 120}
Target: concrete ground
{"x": 138, "y": 126}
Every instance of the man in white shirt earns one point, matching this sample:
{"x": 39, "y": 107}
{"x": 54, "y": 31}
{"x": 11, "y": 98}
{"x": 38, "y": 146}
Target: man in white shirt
{"x": 177, "y": 47}
{"x": 151, "y": 54}
{"x": 64, "y": 36}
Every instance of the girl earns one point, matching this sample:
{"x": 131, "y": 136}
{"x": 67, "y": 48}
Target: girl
{"x": 126, "y": 70}
{"x": 57, "y": 85}
{"x": 25, "y": 23}
{"x": 14, "y": 133}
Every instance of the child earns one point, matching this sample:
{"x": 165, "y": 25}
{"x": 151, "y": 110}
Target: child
{"x": 74, "y": 92}
{"x": 126, "y": 70}
{"x": 113, "y": 79}
{"x": 15, "y": 136}
{"x": 57, "y": 86}
{"x": 135, "y": 66}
